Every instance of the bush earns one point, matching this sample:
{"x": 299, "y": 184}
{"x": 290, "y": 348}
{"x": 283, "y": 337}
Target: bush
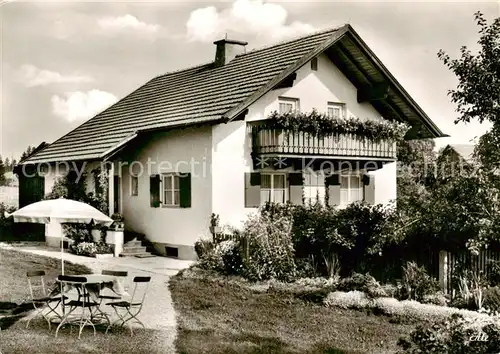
{"x": 224, "y": 258}
{"x": 365, "y": 283}
{"x": 494, "y": 272}
{"x": 270, "y": 248}
{"x": 88, "y": 249}
{"x": 436, "y": 299}
{"x": 455, "y": 335}
{"x": 6, "y": 224}
{"x": 202, "y": 247}
{"x": 492, "y": 298}
{"x": 417, "y": 283}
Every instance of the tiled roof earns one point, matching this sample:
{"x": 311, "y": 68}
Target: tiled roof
{"x": 195, "y": 95}
{"x": 205, "y": 94}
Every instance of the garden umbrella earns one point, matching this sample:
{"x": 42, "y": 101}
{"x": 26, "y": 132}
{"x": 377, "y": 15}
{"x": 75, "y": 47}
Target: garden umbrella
{"x": 61, "y": 211}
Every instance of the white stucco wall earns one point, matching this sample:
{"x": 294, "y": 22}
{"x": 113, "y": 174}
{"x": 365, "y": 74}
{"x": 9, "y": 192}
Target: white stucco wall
{"x": 187, "y": 150}
{"x": 385, "y": 183}
{"x": 231, "y": 141}
{"x": 315, "y": 89}
{"x": 230, "y": 160}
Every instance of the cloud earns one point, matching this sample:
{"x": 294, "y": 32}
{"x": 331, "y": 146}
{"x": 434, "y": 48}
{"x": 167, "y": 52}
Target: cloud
{"x": 254, "y": 17}
{"x": 32, "y": 76}
{"x": 126, "y": 22}
{"x": 81, "y": 105}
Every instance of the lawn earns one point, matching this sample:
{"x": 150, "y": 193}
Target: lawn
{"x": 37, "y": 339}
{"x": 222, "y": 317}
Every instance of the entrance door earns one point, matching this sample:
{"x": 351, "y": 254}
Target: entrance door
{"x": 117, "y": 189}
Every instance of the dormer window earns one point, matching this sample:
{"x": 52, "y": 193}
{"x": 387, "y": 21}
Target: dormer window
{"x": 336, "y": 110}
{"x": 288, "y": 105}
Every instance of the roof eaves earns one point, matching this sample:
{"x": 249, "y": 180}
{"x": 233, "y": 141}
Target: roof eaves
{"x": 236, "y": 111}
{"x": 430, "y": 124}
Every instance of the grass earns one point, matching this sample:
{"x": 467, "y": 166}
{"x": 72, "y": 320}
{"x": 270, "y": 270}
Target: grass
{"x": 14, "y": 265}
{"x": 37, "y": 338}
{"x": 223, "y": 317}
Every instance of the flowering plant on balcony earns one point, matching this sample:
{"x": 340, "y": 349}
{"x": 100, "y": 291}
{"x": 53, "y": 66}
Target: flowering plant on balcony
{"x": 322, "y": 125}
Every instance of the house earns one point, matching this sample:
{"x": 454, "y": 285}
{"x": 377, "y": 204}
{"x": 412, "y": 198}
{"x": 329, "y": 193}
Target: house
{"x": 188, "y": 144}
{"x": 456, "y": 159}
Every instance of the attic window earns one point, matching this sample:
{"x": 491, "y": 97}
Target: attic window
{"x": 314, "y": 64}
{"x": 288, "y": 105}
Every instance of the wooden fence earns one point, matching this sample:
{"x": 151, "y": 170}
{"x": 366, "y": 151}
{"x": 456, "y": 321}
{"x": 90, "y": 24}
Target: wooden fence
{"x": 480, "y": 264}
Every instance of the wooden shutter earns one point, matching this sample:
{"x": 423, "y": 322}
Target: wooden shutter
{"x": 369, "y": 188}
{"x": 185, "y": 190}
{"x": 252, "y": 189}
{"x": 154, "y": 189}
{"x": 296, "y": 182}
{"x": 333, "y": 184}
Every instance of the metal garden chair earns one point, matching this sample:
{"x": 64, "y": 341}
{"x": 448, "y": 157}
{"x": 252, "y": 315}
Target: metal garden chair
{"x": 116, "y": 273}
{"x": 40, "y": 297}
{"x": 84, "y": 302}
{"x": 127, "y": 311}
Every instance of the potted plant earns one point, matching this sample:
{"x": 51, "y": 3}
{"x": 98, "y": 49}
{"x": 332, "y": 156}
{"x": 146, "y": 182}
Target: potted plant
{"x": 214, "y": 224}
{"x": 118, "y": 221}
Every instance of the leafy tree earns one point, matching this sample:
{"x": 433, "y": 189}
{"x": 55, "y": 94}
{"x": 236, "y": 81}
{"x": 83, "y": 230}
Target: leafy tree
{"x": 478, "y": 92}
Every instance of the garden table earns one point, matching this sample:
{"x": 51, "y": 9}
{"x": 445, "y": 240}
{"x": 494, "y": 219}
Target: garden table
{"x": 97, "y": 282}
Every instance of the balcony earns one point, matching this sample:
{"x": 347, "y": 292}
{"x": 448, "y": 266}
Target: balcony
{"x": 271, "y": 141}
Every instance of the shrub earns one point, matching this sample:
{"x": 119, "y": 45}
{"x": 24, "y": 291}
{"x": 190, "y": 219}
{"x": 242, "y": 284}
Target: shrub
{"x": 202, "y": 247}
{"x": 270, "y": 248}
{"x": 88, "y": 249}
{"x": 224, "y": 258}
{"x": 417, "y": 283}
{"x": 494, "y": 272}
{"x": 6, "y": 224}
{"x": 348, "y": 300}
{"x": 455, "y": 335}
{"x": 436, "y": 299}
{"x": 492, "y": 298}
{"x": 360, "y": 282}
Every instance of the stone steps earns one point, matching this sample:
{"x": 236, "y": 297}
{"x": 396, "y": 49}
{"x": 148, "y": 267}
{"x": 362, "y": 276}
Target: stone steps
{"x": 134, "y": 248}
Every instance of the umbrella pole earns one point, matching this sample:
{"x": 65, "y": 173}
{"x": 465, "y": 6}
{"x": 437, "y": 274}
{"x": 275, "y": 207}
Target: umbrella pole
{"x": 62, "y": 255}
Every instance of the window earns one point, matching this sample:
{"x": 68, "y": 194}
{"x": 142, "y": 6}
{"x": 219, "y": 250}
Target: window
{"x": 314, "y": 187}
{"x": 134, "y": 185}
{"x": 273, "y": 188}
{"x": 171, "y": 190}
{"x": 336, "y": 110}
{"x": 287, "y": 105}
{"x": 351, "y": 189}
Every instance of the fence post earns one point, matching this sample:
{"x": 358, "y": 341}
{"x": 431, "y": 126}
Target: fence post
{"x": 443, "y": 270}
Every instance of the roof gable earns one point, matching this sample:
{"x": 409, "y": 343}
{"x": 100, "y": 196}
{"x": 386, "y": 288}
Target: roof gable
{"x": 203, "y": 94}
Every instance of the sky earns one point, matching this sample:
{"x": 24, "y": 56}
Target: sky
{"x": 62, "y": 62}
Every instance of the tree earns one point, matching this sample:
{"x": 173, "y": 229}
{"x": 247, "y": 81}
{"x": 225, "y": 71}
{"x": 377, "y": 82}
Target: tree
{"x": 8, "y": 166}
{"x": 28, "y": 152}
{"x": 478, "y": 92}
{"x": 2, "y": 173}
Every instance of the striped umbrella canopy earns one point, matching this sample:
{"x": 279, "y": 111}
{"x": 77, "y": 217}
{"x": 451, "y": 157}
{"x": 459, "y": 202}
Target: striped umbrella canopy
{"x": 60, "y": 211}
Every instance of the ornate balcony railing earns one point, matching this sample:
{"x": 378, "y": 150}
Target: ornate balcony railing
{"x": 276, "y": 141}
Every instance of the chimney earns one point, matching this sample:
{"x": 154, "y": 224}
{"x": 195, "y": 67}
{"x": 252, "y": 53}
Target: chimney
{"x": 227, "y": 50}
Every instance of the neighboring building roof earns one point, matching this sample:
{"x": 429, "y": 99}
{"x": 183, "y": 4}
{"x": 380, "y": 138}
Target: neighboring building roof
{"x": 466, "y": 151}
{"x": 209, "y": 94}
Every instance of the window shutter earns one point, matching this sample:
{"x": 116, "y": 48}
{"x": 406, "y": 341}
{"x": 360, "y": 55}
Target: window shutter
{"x": 185, "y": 190}
{"x": 252, "y": 189}
{"x": 295, "y": 182}
{"x": 333, "y": 184}
{"x": 333, "y": 180}
{"x": 154, "y": 189}
{"x": 369, "y": 188}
